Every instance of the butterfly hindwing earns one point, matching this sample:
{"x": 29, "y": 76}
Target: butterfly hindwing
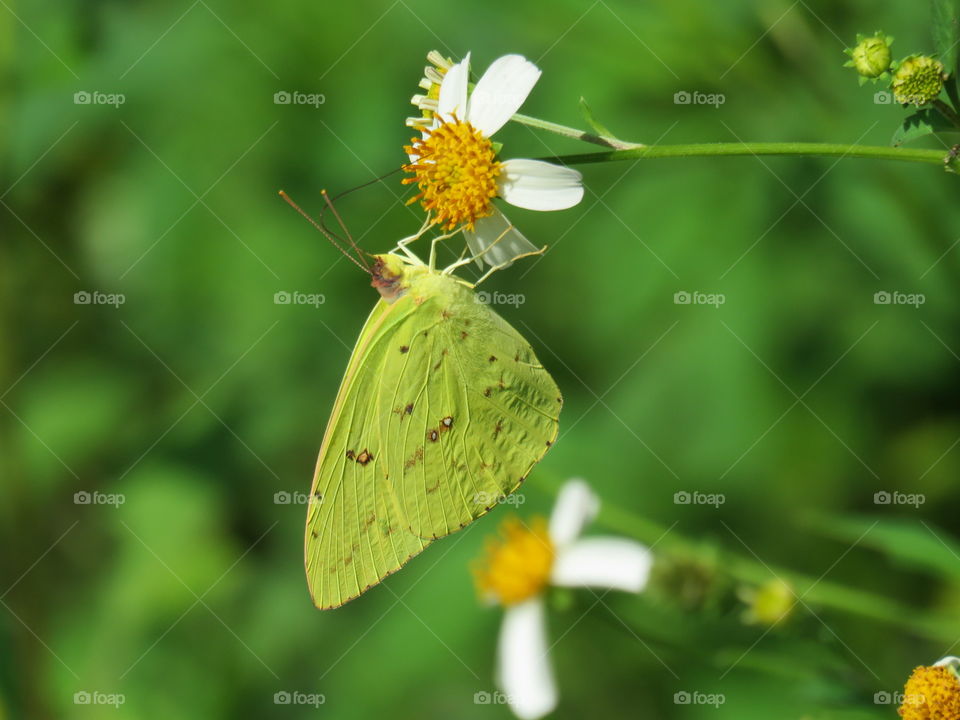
{"x": 478, "y": 413}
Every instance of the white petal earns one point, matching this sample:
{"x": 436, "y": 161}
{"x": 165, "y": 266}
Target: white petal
{"x": 500, "y": 92}
{"x": 576, "y": 505}
{"x": 603, "y": 562}
{"x": 523, "y": 666}
{"x": 508, "y": 242}
{"x": 453, "y": 91}
{"x": 538, "y": 185}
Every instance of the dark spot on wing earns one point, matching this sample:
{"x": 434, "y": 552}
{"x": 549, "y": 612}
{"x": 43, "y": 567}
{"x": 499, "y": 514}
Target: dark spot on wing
{"x": 497, "y": 429}
{"x": 446, "y": 423}
{"x": 493, "y": 358}
{"x": 404, "y": 348}
{"x": 432, "y": 435}
{"x": 370, "y": 521}
{"x": 487, "y": 391}
{"x": 408, "y": 409}
{"x": 351, "y": 455}
{"x": 314, "y": 534}
{"x": 418, "y": 455}
{"x": 364, "y": 457}
{"x": 464, "y": 334}
{"x": 446, "y": 314}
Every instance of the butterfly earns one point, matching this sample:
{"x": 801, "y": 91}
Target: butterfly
{"x": 443, "y": 411}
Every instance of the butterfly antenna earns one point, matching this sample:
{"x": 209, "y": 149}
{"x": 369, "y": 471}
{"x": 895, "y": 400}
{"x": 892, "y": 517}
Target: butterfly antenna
{"x": 366, "y": 184}
{"x": 343, "y": 226}
{"x": 326, "y": 233}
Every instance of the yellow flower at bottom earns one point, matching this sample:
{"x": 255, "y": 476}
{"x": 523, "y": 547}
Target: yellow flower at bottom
{"x": 931, "y": 693}
{"x": 517, "y": 564}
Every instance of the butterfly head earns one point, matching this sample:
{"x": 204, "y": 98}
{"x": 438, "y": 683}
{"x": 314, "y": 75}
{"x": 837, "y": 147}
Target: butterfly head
{"x": 392, "y": 275}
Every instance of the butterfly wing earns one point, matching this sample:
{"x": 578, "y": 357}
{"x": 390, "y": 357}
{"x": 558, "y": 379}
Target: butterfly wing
{"x": 354, "y": 534}
{"x": 473, "y": 409}
{"x": 444, "y": 409}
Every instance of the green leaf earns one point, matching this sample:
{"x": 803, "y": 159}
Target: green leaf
{"x": 914, "y": 544}
{"x": 922, "y": 123}
{"x": 598, "y": 127}
{"x": 946, "y": 33}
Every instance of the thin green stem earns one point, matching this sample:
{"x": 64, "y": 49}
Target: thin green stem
{"x": 749, "y": 569}
{"x": 809, "y": 591}
{"x": 948, "y": 112}
{"x": 576, "y": 134}
{"x": 876, "y": 152}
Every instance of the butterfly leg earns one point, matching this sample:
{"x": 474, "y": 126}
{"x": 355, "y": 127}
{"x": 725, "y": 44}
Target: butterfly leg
{"x": 433, "y": 247}
{"x": 402, "y": 244}
{"x": 509, "y": 262}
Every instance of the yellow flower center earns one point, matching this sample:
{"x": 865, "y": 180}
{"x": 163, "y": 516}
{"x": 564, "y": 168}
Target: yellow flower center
{"x": 517, "y": 564}
{"x": 931, "y": 693}
{"x": 456, "y": 172}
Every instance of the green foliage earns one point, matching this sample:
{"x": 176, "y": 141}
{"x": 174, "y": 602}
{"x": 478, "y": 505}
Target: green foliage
{"x": 923, "y": 123}
{"x": 659, "y": 397}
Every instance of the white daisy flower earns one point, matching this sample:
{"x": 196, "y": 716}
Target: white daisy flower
{"x": 456, "y": 166}
{"x": 519, "y": 568}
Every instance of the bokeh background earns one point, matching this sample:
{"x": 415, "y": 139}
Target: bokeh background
{"x": 199, "y": 399}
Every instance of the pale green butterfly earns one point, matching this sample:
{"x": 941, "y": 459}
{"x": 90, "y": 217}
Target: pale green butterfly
{"x": 443, "y": 411}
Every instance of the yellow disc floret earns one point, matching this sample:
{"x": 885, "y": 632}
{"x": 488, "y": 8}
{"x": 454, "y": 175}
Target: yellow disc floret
{"x": 517, "y": 564}
{"x": 931, "y": 693}
{"x": 456, "y": 170}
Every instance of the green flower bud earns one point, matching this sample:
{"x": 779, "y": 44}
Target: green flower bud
{"x": 871, "y": 56}
{"x": 768, "y": 604}
{"x": 918, "y": 80}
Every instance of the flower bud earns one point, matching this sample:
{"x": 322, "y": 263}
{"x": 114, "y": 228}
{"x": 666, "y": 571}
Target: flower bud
{"x": 871, "y": 56}
{"x": 918, "y": 80}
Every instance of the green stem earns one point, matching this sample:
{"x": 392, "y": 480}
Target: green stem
{"x": 876, "y": 152}
{"x": 811, "y": 591}
{"x": 744, "y": 568}
{"x": 565, "y": 131}
{"x": 947, "y": 112}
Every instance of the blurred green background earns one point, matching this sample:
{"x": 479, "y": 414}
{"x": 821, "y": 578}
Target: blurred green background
{"x": 199, "y": 399}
